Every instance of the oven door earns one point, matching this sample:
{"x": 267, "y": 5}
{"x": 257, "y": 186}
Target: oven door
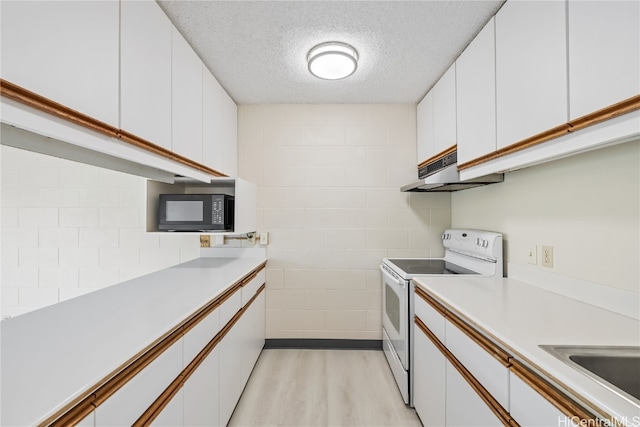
{"x": 395, "y": 317}
{"x": 395, "y": 333}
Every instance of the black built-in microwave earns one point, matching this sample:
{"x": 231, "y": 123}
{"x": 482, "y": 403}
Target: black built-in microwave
{"x": 195, "y": 212}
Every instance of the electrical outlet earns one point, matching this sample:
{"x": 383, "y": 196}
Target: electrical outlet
{"x": 547, "y": 256}
{"x": 532, "y": 257}
{"x": 219, "y": 239}
{"x": 205, "y": 241}
{"x": 251, "y": 238}
{"x": 264, "y": 238}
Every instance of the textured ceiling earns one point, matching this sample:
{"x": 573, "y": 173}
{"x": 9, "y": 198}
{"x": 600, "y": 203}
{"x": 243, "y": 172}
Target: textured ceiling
{"x": 257, "y": 49}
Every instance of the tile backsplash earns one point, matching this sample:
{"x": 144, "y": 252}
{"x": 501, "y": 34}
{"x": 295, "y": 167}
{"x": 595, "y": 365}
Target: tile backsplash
{"x": 70, "y": 228}
{"x": 329, "y": 179}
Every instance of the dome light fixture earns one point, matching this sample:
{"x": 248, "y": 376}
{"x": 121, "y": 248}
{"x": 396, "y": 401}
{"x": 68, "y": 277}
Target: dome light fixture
{"x": 332, "y": 60}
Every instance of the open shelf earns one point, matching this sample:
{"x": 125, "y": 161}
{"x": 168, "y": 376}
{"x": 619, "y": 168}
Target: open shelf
{"x": 245, "y": 194}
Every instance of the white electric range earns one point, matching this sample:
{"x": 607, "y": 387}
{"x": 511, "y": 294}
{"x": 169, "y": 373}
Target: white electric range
{"x": 467, "y": 252}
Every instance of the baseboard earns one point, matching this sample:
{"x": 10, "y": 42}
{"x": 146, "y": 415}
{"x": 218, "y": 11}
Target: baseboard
{"x": 322, "y": 344}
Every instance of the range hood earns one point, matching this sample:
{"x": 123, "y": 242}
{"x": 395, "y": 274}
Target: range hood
{"x": 442, "y": 175}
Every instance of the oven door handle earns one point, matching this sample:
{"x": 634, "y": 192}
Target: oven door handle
{"x": 391, "y": 277}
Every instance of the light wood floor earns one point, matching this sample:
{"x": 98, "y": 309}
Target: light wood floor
{"x": 322, "y": 388}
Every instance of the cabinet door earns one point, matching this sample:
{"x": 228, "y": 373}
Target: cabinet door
{"x": 230, "y": 134}
{"x": 464, "y": 407}
{"x": 492, "y": 374}
{"x": 529, "y": 408}
{"x": 604, "y": 54}
{"x": 130, "y": 402}
{"x": 531, "y": 69}
{"x": 197, "y": 338}
{"x": 172, "y": 414}
{"x": 201, "y": 393}
{"x": 444, "y": 111}
{"x": 231, "y": 360}
{"x": 424, "y": 129}
{"x": 429, "y": 381}
{"x": 145, "y": 72}
{"x": 186, "y": 93}
{"x": 66, "y": 51}
{"x": 476, "y": 96}
{"x": 213, "y": 153}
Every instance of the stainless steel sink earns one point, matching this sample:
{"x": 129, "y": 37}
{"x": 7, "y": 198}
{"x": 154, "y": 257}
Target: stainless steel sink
{"x": 617, "y": 368}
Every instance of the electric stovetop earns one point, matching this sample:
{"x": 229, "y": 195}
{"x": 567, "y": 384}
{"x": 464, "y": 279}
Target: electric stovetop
{"x": 426, "y": 266}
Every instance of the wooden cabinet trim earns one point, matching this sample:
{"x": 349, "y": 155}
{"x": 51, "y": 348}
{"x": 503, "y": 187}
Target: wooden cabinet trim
{"x": 431, "y": 301}
{"x": 498, "y": 353}
{"x": 486, "y": 397}
{"x": 438, "y": 156}
{"x": 76, "y": 410}
{"x": 607, "y": 113}
{"x": 41, "y": 103}
{"x": 489, "y": 346}
{"x": 163, "y": 400}
{"x": 554, "y": 396}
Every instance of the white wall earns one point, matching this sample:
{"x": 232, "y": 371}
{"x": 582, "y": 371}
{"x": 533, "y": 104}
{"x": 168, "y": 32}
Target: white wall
{"x": 328, "y": 179}
{"x": 586, "y": 207}
{"x": 70, "y": 228}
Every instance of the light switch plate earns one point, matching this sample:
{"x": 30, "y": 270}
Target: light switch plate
{"x": 532, "y": 256}
{"x": 264, "y": 238}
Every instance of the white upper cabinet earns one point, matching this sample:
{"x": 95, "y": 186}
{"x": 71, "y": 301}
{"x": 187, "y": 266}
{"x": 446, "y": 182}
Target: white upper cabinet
{"x": 186, "y": 92}
{"x": 444, "y": 111}
{"x": 66, "y": 51}
{"x": 604, "y": 54}
{"x": 212, "y": 141}
{"x": 145, "y": 72}
{"x": 476, "y": 96}
{"x": 424, "y": 128}
{"x": 531, "y": 69}
{"x": 230, "y": 134}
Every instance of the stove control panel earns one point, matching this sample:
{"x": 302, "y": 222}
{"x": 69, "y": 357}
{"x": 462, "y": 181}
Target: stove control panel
{"x": 476, "y": 243}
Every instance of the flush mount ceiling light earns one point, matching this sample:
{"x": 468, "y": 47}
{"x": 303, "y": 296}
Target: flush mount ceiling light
{"x": 332, "y": 60}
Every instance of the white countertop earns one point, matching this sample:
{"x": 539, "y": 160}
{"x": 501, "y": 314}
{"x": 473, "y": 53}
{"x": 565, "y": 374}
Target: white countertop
{"x": 520, "y": 317}
{"x": 53, "y": 354}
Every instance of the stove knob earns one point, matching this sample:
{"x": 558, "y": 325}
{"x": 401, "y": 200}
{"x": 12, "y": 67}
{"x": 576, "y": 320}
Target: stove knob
{"x": 485, "y": 243}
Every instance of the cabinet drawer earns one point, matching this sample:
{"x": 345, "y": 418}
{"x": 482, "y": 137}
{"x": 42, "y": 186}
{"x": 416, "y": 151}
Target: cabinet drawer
{"x": 135, "y": 397}
{"x": 492, "y": 373}
{"x": 529, "y": 408}
{"x": 250, "y": 289}
{"x": 198, "y": 337}
{"x": 230, "y": 307}
{"x": 429, "y": 316}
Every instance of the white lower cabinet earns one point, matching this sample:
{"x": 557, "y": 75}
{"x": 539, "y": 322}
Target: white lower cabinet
{"x": 430, "y": 380}
{"x": 172, "y": 414}
{"x": 209, "y": 395}
{"x": 128, "y": 403}
{"x": 202, "y": 393}
{"x": 492, "y": 374}
{"x": 231, "y": 373}
{"x": 529, "y": 408}
{"x": 464, "y": 406}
